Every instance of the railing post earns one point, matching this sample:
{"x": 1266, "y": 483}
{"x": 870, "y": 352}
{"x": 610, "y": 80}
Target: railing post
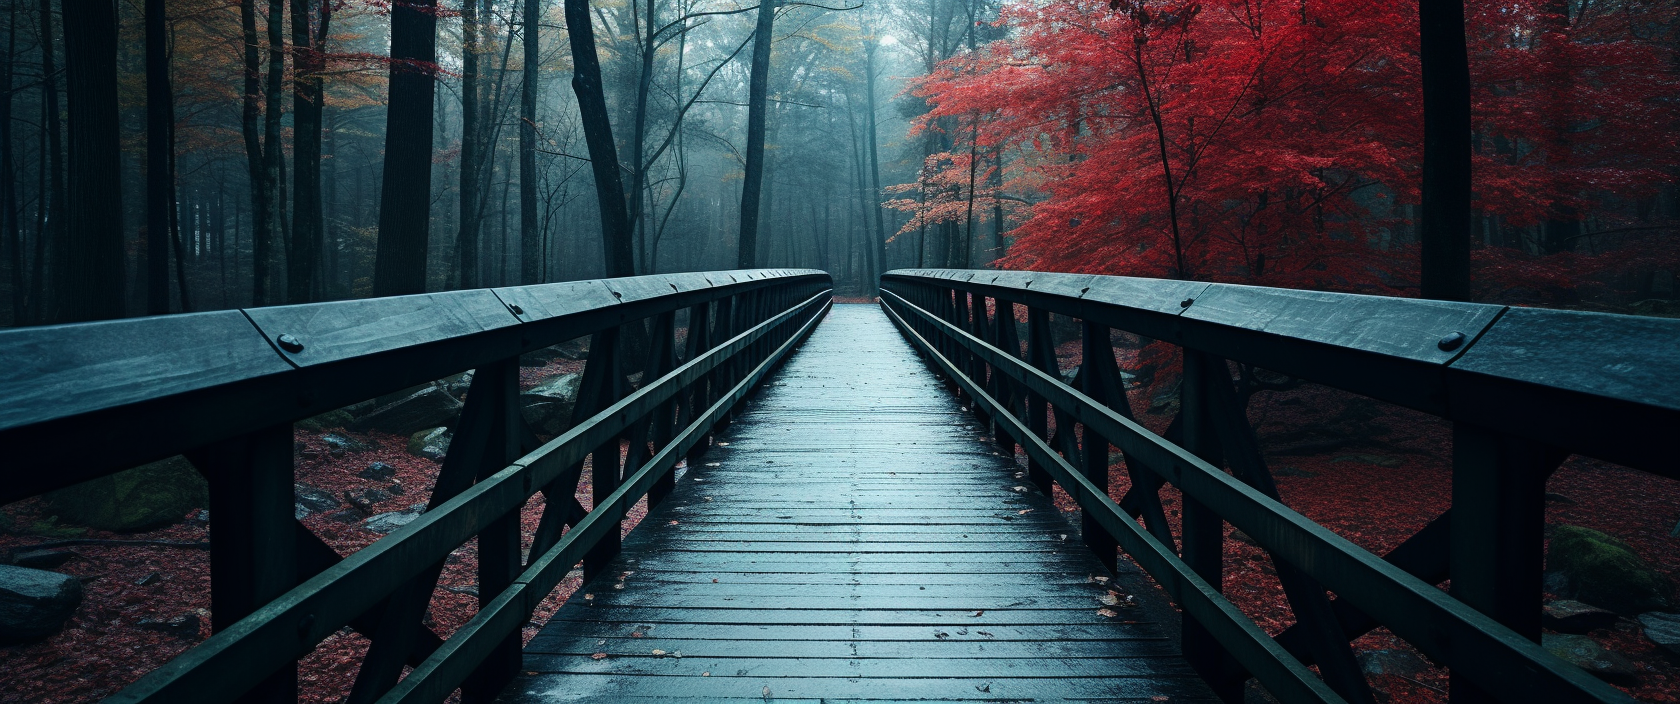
{"x": 1498, "y": 540}
{"x": 661, "y": 360}
{"x": 1202, "y": 532}
{"x": 253, "y": 539}
{"x": 984, "y": 376}
{"x": 605, "y": 471}
{"x": 1008, "y": 339}
{"x": 499, "y": 543}
{"x": 1038, "y": 421}
{"x": 1100, "y": 378}
{"x": 699, "y": 395}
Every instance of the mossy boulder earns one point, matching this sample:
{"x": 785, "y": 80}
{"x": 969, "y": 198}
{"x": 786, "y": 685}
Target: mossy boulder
{"x": 1605, "y": 572}
{"x": 142, "y": 498}
{"x": 331, "y": 419}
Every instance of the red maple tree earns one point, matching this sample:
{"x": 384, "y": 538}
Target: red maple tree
{"x": 1279, "y": 142}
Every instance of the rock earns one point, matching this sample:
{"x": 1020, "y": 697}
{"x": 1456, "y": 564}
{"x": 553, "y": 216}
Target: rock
{"x": 458, "y": 384}
{"x": 199, "y": 518}
{"x": 342, "y": 442}
{"x": 312, "y": 500}
{"x": 348, "y": 515}
{"x": 142, "y": 498}
{"x": 1587, "y": 654}
{"x": 148, "y": 580}
{"x": 1605, "y": 572}
{"x": 431, "y": 444}
{"x": 43, "y": 559}
{"x": 1558, "y": 498}
{"x": 431, "y": 406}
{"x": 547, "y": 407}
{"x": 387, "y": 522}
{"x": 377, "y": 471}
{"x": 181, "y": 626}
{"x": 1404, "y": 663}
{"x": 1568, "y": 616}
{"x": 571, "y": 349}
{"x": 1663, "y": 629}
{"x": 364, "y": 499}
{"x": 331, "y": 419}
{"x": 35, "y": 603}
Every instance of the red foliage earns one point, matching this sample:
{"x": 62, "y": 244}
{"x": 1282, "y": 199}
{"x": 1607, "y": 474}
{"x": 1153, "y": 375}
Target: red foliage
{"x": 1279, "y": 143}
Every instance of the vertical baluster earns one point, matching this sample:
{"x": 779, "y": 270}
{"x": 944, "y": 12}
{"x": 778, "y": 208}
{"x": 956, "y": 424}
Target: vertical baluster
{"x": 604, "y": 472}
{"x": 983, "y": 375}
{"x": 1498, "y": 522}
{"x": 1203, "y": 533}
{"x": 1038, "y": 421}
{"x": 1009, "y": 393}
{"x": 499, "y": 543}
{"x": 698, "y": 396}
{"x": 661, "y": 360}
{"x": 1101, "y": 381}
{"x": 252, "y": 536}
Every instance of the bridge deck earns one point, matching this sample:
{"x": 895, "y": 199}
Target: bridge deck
{"x": 855, "y": 539}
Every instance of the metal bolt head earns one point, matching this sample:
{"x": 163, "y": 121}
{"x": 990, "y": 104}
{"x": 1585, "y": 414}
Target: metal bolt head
{"x": 516, "y": 309}
{"x": 1451, "y": 342}
{"x": 1186, "y": 302}
{"x": 289, "y": 343}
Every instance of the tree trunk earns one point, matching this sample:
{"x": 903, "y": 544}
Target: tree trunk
{"x": 13, "y": 243}
{"x": 160, "y": 182}
{"x": 1446, "y": 151}
{"x": 468, "y": 221}
{"x": 303, "y": 262}
{"x": 273, "y": 93}
{"x": 879, "y": 240}
{"x": 251, "y": 112}
{"x": 530, "y": 236}
{"x": 406, "y": 194}
{"x": 92, "y": 288}
{"x": 55, "y": 231}
{"x": 757, "y": 98}
{"x": 597, "y": 132}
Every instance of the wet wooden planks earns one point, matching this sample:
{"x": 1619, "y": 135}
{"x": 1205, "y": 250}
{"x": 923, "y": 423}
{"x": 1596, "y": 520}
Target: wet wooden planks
{"x": 853, "y": 540}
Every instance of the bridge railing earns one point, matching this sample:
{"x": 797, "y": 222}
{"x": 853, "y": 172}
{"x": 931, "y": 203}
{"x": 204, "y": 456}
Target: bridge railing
{"x": 1523, "y": 389}
{"x": 224, "y": 388}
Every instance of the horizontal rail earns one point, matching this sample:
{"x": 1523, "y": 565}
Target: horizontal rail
{"x": 1590, "y": 383}
{"x": 236, "y": 659}
{"x": 144, "y": 389}
{"x": 1475, "y": 645}
{"x": 447, "y": 668}
{"x": 1251, "y": 646}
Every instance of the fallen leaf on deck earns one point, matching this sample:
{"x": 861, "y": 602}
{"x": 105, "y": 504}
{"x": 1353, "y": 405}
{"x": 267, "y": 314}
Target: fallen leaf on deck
{"x": 657, "y": 651}
{"x": 978, "y": 614}
{"x": 598, "y": 656}
{"x": 987, "y": 634}
{"x": 1106, "y": 612}
{"x": 1018, "y": 489}
{"x": 1023, "y": 512}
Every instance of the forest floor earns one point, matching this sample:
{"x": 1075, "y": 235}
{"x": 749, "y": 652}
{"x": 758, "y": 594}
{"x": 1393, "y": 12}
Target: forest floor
{"x": 1373, "y": 473}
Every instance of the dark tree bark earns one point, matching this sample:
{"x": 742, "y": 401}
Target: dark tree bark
{"x": 303, "y": 262}
{"x": 160, "y": 179}
{"x": 92, "y": 287}
{"x": 597, "y": 133}
{"x": 472, "y": 137}
{"x": 274, "y": 92}
{"x": 879, "y": 239}
{"x": 406, "y": 194}
{"x": 13, "y": 243}
{"x": 752, "y": 183}
{"x": 250, "y": 113}
{"x": 1446, "y": 151}
{"x": 54, "y": 231}
{"x": 530, "y": 234}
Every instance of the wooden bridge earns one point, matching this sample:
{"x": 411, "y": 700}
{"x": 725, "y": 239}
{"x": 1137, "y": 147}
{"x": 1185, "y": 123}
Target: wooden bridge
{"x": 828, "y": 521}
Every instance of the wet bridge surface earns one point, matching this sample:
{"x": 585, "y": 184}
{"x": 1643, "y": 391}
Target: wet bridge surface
{"x": 855, "y": 539}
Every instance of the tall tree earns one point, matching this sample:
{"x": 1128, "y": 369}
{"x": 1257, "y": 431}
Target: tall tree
{"x": 92, "y": 285}
{"x": 9, "y": 228}
{"x": 160, "y": 178}
{"x": 758, "y": 89}
{"x": 469, "y": 218}
{"x": 597, "y": 134}
{"x": 53, "y": 230}
{"x": 1446, "y": 150}
{"x": 530, "y": 232}
{"x": 406, "y": 193}
{"x": 303, "y": 276}
{"x": 262, "y": 217}
{"x": 274, "y": 91}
